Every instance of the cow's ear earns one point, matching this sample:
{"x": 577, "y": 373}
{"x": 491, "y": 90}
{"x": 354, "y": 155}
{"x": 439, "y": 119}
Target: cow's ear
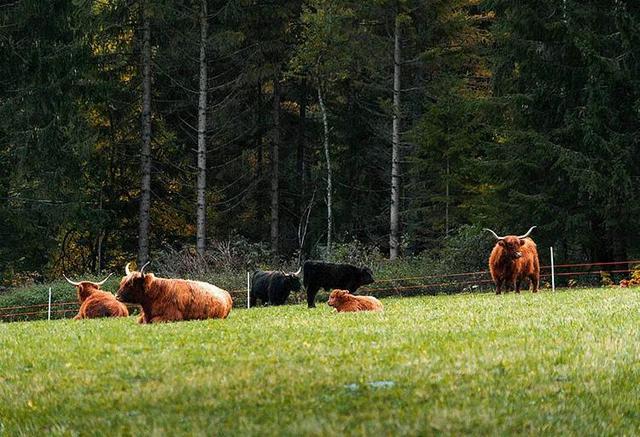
{"x": 501, "y": 243}
{"x": 521, "y": 241}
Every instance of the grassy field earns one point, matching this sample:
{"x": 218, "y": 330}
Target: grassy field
{"x": 475, "y": 364}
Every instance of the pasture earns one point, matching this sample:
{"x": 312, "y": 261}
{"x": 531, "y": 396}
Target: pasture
{"x": 563, "y": 363}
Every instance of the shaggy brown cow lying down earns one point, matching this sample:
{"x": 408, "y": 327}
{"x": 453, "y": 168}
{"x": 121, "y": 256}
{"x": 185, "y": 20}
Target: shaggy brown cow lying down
{"x": 95, "y": 302}
{"x": 171, "y": 300}
{"x": 344, "y": 301}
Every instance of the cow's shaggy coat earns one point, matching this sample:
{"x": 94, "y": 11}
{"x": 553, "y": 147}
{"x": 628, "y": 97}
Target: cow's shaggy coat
{"x": 96, "y": 303}
{"x": 171, "y": 300}
{"x": 272, "y": 287}
{"x": 343, "y": 301}
{"x": 513, "y": 260}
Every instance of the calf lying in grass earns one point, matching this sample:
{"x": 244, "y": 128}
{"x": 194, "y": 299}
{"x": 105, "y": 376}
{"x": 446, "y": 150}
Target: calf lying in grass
{"x": 95, "y": 303}
{"x": 343, "y": 301}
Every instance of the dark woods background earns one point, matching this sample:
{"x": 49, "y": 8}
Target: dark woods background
{"x": 511, "y": 114}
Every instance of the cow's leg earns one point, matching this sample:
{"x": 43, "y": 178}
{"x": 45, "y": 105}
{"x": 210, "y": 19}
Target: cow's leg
{"x": 535, "y": 282}
{"x": 78, "y": 317}
{"x": 253, "y": 300}
{"x": 517, "y": 283}
{"x": 280, "y": 299}
{"x": 499, "y": 283}
{"x": 273, "y": 297}
{"x": 311, "y": 296}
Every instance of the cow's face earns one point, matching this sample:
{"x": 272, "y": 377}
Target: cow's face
{"x": 292, "y": 282}
{"x": 86, "y": 289}
{"x": 366, "y": 276}
{"x": 131, "y": 288}
{"x": 337, "y": 297}
{"x": 512, "y": 246}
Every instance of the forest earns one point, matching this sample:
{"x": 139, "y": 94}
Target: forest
{"x": 136, "y": 129}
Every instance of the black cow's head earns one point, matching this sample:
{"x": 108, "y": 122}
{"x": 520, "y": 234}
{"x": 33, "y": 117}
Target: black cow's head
{"x": 292, "y": 282}
{"x": 366, "y": 276}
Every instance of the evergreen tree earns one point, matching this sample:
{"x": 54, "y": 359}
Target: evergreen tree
{"x": 567, "y": 149}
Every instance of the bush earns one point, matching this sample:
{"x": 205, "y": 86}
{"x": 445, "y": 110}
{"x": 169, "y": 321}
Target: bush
{"x": 235, "y": 254}
{"x": 466, "y": 250}
{"x": 357, "y": 253}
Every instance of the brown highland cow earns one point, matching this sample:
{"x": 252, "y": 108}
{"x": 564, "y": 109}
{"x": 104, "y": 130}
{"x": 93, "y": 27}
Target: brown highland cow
{"x": 95, "y": 303}
{"x": 343, "y": 301}
{"x": 172, "y": 300}
{"x": 513, "y": 260}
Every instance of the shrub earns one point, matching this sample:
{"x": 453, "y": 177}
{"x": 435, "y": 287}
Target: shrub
{"x": 635, "y": 275}
{"x": 357, "y": 253}
{"x": 235, "y": 254}
{"x": 605, "y": 279}
{"x": 466, "y": 250}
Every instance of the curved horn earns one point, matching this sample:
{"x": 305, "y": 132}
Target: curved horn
{"x": 494, "y": 234}
{"x": 126, "y": 269}
{"x": 70, "y": 281}
{"x": 528, "y": 232}
{"x": 298, "y": 272}
{"x": 146, "y": 264}
{"x": 104, "y": 280}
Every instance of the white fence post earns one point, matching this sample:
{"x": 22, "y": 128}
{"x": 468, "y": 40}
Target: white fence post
{"x": 553, "y": 273}
{"x": 49, "y": 311}
{"x": 248, "y": 290}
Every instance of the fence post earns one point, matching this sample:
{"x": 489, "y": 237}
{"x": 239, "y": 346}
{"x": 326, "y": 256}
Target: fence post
{"x": 248, "y": 290}
{"x": 553, "y": 273}
{"x": 49, "y": 311}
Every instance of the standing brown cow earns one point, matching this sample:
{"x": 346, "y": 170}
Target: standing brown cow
{"x": 95, "y": 302}
{"x": 171, "y": 300}
{"x": 514, "y": 259}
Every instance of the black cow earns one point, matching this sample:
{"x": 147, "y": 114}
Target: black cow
{"x": 318, "y": 274}
{"x": 272, "y": 288}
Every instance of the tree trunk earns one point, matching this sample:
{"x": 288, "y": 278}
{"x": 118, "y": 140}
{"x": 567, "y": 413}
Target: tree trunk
{"x": 259, "y": 193}
{"x": 145, "y": 191}
{"x": 395, "y": 149}
{"x": 447, "y": 201}
{"x": 98, "y": 266}
{"x": 325, "y": 124}
{"x": 275, "y": 149}
{"x": 201, "y": 236}
{"x": 300, "y": 164}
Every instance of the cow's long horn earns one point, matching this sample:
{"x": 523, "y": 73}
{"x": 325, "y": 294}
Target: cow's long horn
{"x": 70, "y": 281}
{"x": 528, "y": 232}
{"x": 126, "y": 269}
{"x": 146, "y": 264}
{"x": 494, "y": 234}
{"x": 104, "y": 280}
{"x": 298, "y": 272}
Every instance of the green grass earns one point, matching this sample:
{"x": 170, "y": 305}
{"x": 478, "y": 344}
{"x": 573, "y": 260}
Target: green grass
{"x": 563, "y": 363}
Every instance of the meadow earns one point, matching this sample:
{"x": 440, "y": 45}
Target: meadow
{"x": 552, "y": 363}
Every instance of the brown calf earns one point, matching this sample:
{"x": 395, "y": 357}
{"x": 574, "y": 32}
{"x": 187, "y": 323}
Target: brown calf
{"x": 343, "y": 301}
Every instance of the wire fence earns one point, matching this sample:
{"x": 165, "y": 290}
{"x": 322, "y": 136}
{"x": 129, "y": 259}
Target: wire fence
{"x": 587, "y": 274}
